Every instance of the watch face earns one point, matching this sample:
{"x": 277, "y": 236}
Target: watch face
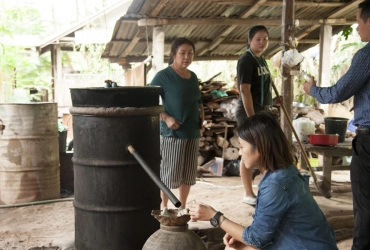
{"x": 214, "y": 221}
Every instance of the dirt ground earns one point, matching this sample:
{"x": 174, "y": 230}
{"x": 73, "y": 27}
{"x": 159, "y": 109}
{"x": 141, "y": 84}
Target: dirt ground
{"x": 51, "y": 226}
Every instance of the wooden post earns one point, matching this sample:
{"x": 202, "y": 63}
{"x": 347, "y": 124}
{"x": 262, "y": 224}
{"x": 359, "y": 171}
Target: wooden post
{"x": 326, "y": 33}
{"x": 158, "y": 49}
{"x": 56, "y": 68}
{"x": 2, "y": 92}
{"x": 287, "y": 31}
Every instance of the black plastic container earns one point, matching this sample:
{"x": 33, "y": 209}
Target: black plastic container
{"x": 336, "y": 125}
{"x": 114, "y": 196}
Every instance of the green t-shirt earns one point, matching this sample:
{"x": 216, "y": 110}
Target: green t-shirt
{"x": 180, "y": 98}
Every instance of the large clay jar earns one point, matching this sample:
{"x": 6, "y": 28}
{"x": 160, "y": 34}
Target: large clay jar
{"x": 173, "y": 234}
{"x": 174, "y": 237}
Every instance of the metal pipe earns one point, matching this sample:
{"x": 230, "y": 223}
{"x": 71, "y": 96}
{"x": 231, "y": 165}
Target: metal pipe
{"x": 36, "y": 203}
{"x": 154, "y": 177}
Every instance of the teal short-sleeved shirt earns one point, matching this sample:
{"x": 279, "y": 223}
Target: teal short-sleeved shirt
{"x": 180, "y": 98}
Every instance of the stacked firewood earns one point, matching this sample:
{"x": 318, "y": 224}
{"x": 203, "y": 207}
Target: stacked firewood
{"x": 218, "y": 138}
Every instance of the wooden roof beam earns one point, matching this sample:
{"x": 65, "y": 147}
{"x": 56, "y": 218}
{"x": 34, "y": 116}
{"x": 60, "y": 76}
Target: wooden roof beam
{"x": 277, "y": 40}
{"x": 348, "y": 6}
{"x": 302, "y": 34}
{"x": 221, "y": 37}
{"x": 225, "y": 42}
{"x": 134, "y": 41}
{"x": 271, "y": 3}
{"x": 158, "y": 8}
{"x": 300, "y": 37}
{"x": 236, "y": 22}
{"x": 137, "y": 59}
{"x": 331, "y": 18}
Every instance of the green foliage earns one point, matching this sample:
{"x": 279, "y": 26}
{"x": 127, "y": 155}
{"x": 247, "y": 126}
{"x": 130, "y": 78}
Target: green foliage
{"x": 22, "y": 68}
{"x": 23, "y": 20}
{"x": 353, "y": 45}
{"x": 86, "y": 59}
{"x": 347, "y": 32}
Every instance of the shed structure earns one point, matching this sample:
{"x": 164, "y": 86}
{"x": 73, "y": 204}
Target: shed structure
{"x": 219, "y": 30}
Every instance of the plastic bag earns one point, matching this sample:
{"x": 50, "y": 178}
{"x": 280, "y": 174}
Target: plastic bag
{"x": 218, "y": 93}
{"x": 291, "y": 58}
{"x": 232, "y": 168}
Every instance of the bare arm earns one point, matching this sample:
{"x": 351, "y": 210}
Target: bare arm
{"x": 233, "y": 244}
{"x": 233, "y": 238}
{"x": 245, "y": 91}
{"x": 201, "y": 114}
{"x": 205, "y": 212}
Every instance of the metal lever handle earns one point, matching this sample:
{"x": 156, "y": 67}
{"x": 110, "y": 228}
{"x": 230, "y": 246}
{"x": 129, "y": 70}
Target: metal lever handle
{"x": 154, "y": 177}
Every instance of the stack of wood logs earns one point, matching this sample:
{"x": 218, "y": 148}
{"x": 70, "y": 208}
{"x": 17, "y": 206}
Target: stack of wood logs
{"x": 218, "y": 138}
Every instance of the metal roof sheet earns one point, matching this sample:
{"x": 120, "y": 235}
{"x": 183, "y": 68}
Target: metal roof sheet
{"x": 206, "y": 21}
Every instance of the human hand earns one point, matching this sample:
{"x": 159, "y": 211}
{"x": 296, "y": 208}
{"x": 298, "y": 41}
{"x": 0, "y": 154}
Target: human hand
{"x": 201, "y": 211}
{"x": 172, "y": 123}
{"x": 307, "y": 85}
{"x": 233, "y": 244}
{"x": 278, "y": 100}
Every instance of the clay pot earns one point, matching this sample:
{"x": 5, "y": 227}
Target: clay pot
{"x": 174, "y": 237}
{"x": 173, "y": 234}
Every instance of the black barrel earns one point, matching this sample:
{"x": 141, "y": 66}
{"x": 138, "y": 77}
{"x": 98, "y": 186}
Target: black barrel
{"x": 113, "y": 195}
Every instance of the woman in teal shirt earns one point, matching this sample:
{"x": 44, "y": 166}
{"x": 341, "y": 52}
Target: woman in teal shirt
{"x": 181, "y": 120}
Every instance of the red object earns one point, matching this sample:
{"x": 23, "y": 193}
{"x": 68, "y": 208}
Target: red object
{"x": 324, "y": 139}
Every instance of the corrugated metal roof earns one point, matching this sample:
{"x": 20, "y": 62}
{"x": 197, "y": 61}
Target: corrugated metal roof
{"x": 225, "y": 21}
{"x": 66, "y": 37}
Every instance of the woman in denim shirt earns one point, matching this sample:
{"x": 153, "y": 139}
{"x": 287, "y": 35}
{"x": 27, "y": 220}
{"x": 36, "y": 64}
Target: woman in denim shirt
{"x": 286, "y": 216}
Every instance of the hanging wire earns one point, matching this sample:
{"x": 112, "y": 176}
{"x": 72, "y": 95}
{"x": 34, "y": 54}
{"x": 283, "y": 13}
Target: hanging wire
{"x": 147, "y": 38}
{"x": 106, "y": 31}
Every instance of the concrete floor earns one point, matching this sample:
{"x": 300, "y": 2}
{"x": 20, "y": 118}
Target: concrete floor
{"x": 52, "y": 225}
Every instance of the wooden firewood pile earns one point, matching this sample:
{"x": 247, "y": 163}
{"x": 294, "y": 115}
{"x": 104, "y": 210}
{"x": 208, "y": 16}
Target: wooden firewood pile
{"x": 218, "y": 138}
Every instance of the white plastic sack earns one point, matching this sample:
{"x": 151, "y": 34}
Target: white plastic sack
{"x": 230, "y": 107}
{"x": 291, "y": 58}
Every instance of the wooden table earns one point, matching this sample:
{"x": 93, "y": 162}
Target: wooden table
{"x": 325, "y": 157}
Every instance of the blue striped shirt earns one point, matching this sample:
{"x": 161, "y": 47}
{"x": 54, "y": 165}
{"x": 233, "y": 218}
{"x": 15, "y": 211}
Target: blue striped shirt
{"x": 356, "y": 82}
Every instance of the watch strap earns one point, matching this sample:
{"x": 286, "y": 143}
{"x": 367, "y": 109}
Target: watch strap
{"x": 215, "y": 218}
{"x": 223, "y": 219}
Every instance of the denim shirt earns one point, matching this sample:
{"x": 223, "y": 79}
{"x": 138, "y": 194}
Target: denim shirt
{"x": 356, "y": 82}
{"x": 286, "y": 216}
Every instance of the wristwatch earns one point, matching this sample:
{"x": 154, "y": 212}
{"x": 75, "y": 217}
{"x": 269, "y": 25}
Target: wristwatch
{"x": 214, "y": 219}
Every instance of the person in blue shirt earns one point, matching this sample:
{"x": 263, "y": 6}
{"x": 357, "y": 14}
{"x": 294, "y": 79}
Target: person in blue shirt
{"x": 286, "y": 216}
{"x": 356, "y": 83}
{"x": 181, "y": 121}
